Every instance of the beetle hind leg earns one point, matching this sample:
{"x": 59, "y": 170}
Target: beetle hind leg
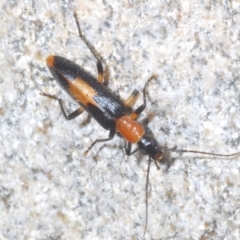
{"x": 93, "y": 51}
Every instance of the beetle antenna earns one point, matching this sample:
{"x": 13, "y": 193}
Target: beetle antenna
{"x": 146, "y": 196}
{"x": 205, "y": 153}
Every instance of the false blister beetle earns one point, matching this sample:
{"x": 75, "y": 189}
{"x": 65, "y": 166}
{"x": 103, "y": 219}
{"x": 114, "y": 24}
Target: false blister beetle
{"x": 108, "y": 110}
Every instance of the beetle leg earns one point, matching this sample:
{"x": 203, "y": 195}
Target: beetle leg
{"x": 72, "y": 115}
{"x": 93, "y": 51}
{"x": 128, "y": 147}
{"x": 140, "y": 109}
{"x": 110, "y": 137}
{"x": 132, "y": 99}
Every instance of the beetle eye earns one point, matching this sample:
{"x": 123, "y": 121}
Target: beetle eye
{"x": 158, "y": 156}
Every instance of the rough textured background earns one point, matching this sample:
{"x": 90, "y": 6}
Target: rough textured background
{"x": 48, "y": 190}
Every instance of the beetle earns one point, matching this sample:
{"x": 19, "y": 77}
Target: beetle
{"x": 108, "y": 110}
